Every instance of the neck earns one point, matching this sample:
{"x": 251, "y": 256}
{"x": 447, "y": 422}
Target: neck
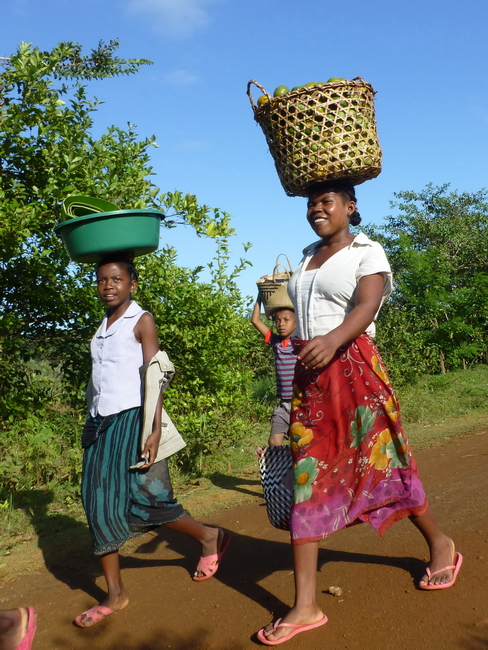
{"x": 342, "y": 238}
{"x": 114, "y": 313}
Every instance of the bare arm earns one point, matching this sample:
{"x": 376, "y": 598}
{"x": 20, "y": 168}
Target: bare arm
{"x": 256, "y": 318}
{"x": 145, "y": 332}
{"x": 320, "y": 350}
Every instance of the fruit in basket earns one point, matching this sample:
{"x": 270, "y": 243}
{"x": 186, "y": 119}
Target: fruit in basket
{"x": 263, "y": 100}
{"x": 334, "y": 79}
{"x": 281, "y": 91}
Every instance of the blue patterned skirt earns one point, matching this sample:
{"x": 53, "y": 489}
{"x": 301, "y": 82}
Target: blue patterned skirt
{"x": 121, "y": 503}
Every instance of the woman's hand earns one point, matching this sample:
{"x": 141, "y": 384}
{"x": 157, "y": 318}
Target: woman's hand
{"x": 319, "y": 351}
{"x": 150, "y": 450}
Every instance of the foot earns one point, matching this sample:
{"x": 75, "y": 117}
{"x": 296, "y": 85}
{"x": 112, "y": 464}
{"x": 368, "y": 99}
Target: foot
{"x": 215, "y": 546}
{"x": 97, "y": 613}
{"x": 13, "y": 627}
{"x": 442, "y": 559}
{"x": 294, "y": 617}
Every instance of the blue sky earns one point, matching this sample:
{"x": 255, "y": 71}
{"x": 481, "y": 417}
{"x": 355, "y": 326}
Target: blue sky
{"x": 426, "y": 60}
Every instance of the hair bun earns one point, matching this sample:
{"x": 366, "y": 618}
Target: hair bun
{"x": 355, "y": 218}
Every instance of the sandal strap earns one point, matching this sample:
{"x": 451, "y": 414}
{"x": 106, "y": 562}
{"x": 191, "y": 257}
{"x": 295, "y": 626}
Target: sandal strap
{"x": 451, "y": 567}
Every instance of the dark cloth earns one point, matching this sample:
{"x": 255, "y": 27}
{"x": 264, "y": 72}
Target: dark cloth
{"x": 93, "y": 428}
{"x": 121, "y": 503}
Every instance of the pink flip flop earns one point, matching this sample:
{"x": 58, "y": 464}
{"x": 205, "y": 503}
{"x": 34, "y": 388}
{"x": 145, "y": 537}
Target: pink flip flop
{"x": 96, "y": 613}
{"x": 455, "y": 567}
{"x": 26, "y": 643}
{"x": 208, "y": 565}
{"x": 295, "y": 629}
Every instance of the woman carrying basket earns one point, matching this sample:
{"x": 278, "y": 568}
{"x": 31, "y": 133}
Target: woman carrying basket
{"x": 352, "y": 461}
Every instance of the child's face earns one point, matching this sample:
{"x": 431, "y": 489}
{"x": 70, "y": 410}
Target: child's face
{"x": 285, "y": 322}
{"x": 114, "y": 285}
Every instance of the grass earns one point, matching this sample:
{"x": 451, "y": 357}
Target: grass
{"x": 434, "y": 410}
{"x": 439, "y": 407}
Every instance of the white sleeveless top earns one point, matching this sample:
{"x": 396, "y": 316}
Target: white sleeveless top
{"x": 115, "y": 384}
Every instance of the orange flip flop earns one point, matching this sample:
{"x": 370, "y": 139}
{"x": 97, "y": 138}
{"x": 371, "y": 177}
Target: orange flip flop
{"x": 96, "y": 613}
{"x": 26, "y": 643}
{"x": 455, "y": 568}
{"x": 295, "y": 629}
{"x": 208, "y": 565}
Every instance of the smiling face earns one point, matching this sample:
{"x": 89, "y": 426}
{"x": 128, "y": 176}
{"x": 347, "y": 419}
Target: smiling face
{"x": 114, "y": 285}
{"x": 328, "y": 213}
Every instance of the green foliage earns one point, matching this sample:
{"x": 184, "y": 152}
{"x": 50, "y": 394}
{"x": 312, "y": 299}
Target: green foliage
{"x": 47, "y": 152}
{"x": 203, "y": 328}
{"x": 36, "y": 455}
{"x": 437, "y": 318}
{"x": 49, "y": 309}
{"x": 434, "y": 398}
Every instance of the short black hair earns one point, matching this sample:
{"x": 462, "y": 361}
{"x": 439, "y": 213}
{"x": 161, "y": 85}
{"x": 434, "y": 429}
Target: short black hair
{"x": 275, "y": 311}
{"x": 340, "y": 186}
{"x": 121, "y": 258}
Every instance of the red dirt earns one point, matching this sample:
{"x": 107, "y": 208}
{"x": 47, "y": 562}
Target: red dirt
{"x": 380, "y": 608}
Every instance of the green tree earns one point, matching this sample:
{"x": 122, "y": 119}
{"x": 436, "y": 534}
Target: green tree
{"x": 47, "y": 152}
{"x": 48, "y": 307}
{"x": 437, "y": 243}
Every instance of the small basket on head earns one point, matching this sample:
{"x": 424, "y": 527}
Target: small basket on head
{"x": 272, "y": 289}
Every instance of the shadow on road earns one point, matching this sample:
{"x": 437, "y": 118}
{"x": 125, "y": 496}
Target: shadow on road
{"x": 199, "y": 640}
{"x": 235, "y": 483}
{"x": 249, "y": 561}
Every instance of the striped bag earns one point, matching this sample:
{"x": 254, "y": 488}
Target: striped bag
{"x": 276, "y": 471}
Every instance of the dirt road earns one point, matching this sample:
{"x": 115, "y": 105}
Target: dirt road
{"x": 380, "y": 608}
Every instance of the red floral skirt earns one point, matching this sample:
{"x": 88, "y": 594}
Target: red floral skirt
{"x": 352, "y": 461}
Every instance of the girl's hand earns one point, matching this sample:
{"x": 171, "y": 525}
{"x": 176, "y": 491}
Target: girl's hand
{"x": 318, "y": 352}
{"x": 150, "y": 450}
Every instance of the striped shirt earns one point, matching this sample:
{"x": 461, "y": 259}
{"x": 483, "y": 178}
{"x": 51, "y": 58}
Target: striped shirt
{"x": 285, "y": 361}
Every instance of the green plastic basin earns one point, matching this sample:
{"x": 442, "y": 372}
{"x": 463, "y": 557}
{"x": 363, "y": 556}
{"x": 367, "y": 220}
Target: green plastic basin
{"x": 90, "y": 238}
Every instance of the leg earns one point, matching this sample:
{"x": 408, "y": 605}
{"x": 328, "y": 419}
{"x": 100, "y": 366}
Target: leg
{"x": 209, "y": 537}
{"x": 116, "y": 597}
{"x": 305, "y": 609}
{"x": 276, "y": 439}
{"x": 441, "y": 547}
{"x": 13, "y": 627}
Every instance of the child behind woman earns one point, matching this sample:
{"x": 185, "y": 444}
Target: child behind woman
{"x": 120, "y": 502}
{"x": 285, "y": 360}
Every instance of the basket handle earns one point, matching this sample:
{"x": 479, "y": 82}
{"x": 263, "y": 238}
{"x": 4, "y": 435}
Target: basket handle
{"x": 261, "y": 88}
{"x": 290, "y": 267}
{"x": 278, "y": 266}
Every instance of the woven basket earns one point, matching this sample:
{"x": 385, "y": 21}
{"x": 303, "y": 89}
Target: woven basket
{"x": 278, "y": 281}
{"x": 322, "y": 132}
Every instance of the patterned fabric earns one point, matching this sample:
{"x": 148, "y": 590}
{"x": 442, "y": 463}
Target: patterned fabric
{"x": 285, "y": 360}
{"x": 121, "y": 503}
{"x": 352, "y": 461}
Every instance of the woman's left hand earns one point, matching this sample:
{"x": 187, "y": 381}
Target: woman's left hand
{"x": 318, "y": 352}
{"x": 150, "y": 450}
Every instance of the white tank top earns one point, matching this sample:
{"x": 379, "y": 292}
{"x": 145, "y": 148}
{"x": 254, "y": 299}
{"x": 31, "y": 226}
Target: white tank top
{"x": 115, "y": 383}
